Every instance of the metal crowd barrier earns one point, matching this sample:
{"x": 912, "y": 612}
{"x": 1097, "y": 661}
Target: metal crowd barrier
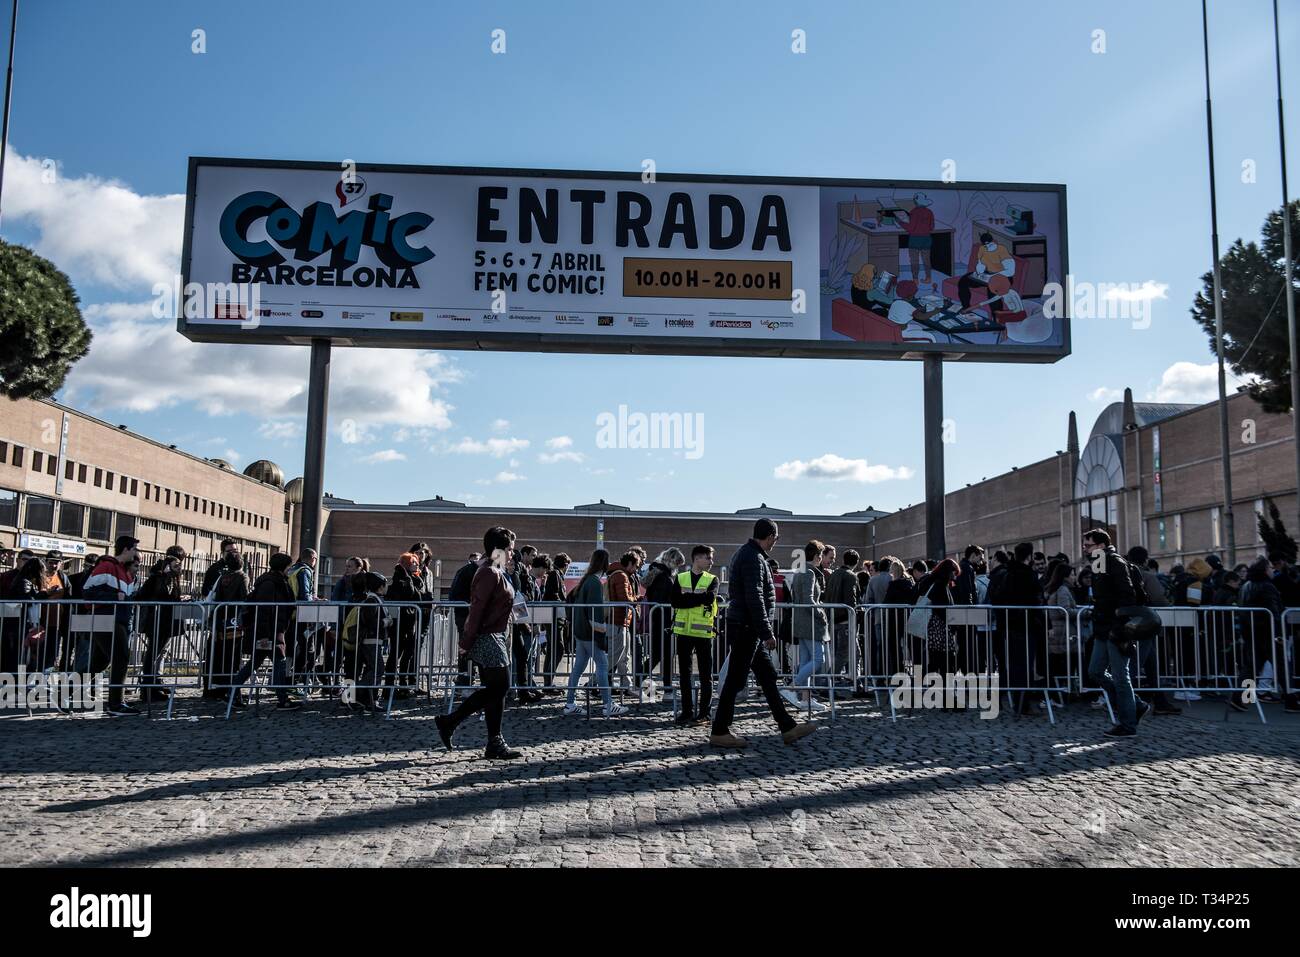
{"x": 160, "y": 648}
{"x": 1026, "y": 646}
{"x": 350, "y": 653}
{"x": 1202, "y": 649}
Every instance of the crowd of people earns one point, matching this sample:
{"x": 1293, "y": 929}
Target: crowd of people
{"x": 635, "y": 616}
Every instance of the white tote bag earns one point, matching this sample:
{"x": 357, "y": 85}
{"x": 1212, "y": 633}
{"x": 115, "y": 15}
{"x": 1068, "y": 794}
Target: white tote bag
{"x": 918, "y": 621}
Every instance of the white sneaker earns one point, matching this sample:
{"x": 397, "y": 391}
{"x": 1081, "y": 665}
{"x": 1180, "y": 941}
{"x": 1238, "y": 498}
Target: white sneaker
{"x": 815, "y": 706}
{"x": 1187, "y": 695}
{"x": 1097, "y": 704}
{"x": 791, "y": 698}
{"x": 573, "y": 709}
{"x": 614, "y": 711}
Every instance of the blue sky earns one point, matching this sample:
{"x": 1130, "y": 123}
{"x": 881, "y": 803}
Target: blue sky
{"x": 113, "y": 95}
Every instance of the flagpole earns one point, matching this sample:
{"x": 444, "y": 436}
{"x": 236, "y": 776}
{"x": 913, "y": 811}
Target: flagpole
{"x": 1224, "y": 450}
{"x": 1286, "y": 256}
{"x": 9, "y": 85}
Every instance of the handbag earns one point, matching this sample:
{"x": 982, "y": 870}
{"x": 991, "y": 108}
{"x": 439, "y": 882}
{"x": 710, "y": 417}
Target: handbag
{"x": 918, "y": 618}
{"x": 938, "y": 636}
{"x": 1138, "y": 622}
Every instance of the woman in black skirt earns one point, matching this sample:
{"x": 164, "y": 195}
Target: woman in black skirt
{"x": 485, "y": 638}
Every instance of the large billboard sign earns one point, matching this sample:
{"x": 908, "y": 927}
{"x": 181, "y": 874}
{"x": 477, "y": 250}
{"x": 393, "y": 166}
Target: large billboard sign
{"x": 561, "y": 261}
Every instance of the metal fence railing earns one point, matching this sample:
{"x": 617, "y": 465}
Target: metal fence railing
{"x": 371, "y": 655}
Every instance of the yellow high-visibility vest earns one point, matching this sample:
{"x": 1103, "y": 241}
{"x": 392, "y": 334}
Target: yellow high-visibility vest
{"x": 699, "y": 620}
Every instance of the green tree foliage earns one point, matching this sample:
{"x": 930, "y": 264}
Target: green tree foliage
{"x": 42, "y": 332}
{"x": 1276, "y": 539}
{"x": 1255, "y": 336}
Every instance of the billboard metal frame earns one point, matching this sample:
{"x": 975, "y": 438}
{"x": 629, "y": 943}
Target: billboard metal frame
{"x": 596, "y": 344}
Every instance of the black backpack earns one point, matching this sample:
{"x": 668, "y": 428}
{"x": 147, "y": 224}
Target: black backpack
{"x": 226, "y": 587}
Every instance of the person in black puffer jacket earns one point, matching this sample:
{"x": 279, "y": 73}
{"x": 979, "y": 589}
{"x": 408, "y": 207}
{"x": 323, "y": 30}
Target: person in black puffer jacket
{"x": 265, "y": 628}
{"x": 658, "y": 580}
{"x": 158, "y": 620}
{"x": 407, "y": 586}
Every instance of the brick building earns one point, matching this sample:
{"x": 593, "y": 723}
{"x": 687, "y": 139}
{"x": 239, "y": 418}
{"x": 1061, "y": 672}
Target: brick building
{"x": 72, "y": 482}
{"x": 454, "y": 530}
{"x": 1148, "y": 472}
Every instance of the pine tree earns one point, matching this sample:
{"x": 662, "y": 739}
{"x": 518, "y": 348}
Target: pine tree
{"x": 42, "y": 332}
{"x": 1276, "y": 539}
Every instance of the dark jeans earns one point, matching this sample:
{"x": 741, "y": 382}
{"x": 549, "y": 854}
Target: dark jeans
{"x": 557, "y": 646}
{"x": 367, "y": 669}
{"x": 1148, "y": 672}
{"x": 155, "y": 645}
{"x": 112, "y": 652}
{"x": 702, "y": 648}
{"x": 1017, "y": 651}
{"x": 747, "y": 654}
{"x": 661, "y": 652}
{"x": 490, "y": 698}
{"x": 401, "y": 659}
{"x": 279, "y": 670}
{"x": 964, "y": 286}
{"x": 521, "y": 644}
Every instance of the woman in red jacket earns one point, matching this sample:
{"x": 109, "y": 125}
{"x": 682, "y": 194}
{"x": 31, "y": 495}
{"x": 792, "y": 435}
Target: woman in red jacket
{"x": 485, "y": 638}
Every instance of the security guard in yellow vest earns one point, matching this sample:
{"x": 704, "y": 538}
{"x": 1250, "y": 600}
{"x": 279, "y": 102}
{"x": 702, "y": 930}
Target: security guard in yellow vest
{"x": 695, "y": 600}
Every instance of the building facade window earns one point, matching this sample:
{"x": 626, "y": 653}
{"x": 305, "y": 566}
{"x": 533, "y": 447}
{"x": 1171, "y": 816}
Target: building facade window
{"x": 72, "y": 518}
{"x": 99, "y": 477}
{"x": 68, "y": 470}
{"x": 4, "y": 452}
{"x": 8, "y": 507}
{"x": 38, "y": 460}
{"x": 51, "y": 465}
{"x": 121, "y": 484}
{"x": 17, "y": 457}
{"x": 101, "y": 525}
{"x": 81, "y": 474}
{"x": 125, "y": 524}
{"x": 135, "y": 487}
{"x": 40, "y": 514}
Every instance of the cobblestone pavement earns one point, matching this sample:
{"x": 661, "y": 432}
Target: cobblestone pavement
{"x": 315, "y": 787}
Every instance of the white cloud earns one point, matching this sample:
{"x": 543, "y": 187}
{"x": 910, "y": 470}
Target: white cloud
{"x": 1189, "y": 382}
{"x": 141, "y": 364}
{"x": 469, "y": 498}
{"x": 501, "y": 478}
{"x": 497, "y": 448}
{"x": 232, "y": 456}
{"x": 837, "y": 469}
{"x": 386, "y": 455}
{"x": 280, "y": 429}
{"x": 1144, "y": 293}
{"x": 550, "y": 458}
{"x": 96, "y": 229}
{"x": 560, "y": 442}
{"x": 600, "y": 471}
{"x": 1105, "y": 394}
{"x": 500, "y": 425}
{"x": 514, "y": 463}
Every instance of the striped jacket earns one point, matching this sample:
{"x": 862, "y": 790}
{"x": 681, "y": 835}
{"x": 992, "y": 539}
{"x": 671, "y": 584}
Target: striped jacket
{"x": 110, "y": 581}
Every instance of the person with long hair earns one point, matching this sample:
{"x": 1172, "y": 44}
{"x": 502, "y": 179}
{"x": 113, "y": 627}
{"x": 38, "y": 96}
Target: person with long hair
{"x": 590, "y": 639}
{"x": 486, "y": 640}
{"x": 1057, "y": 594}
{"x": 940, "y": 643}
